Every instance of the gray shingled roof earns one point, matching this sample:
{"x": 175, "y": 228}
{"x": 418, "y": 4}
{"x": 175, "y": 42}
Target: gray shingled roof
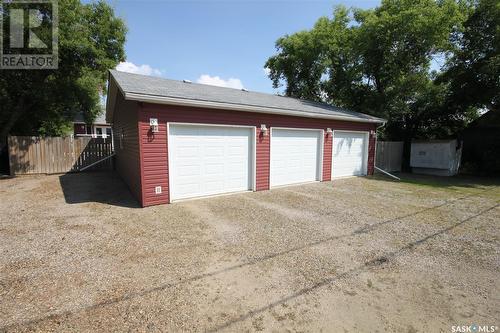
{"x": 160, "y": 87}
{"x": 99, "y": 120}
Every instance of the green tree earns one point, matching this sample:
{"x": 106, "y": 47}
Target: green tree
{"x": 473, "y": 72}
{"x": 91, "y": 40}
{"x": 377, "y": 61}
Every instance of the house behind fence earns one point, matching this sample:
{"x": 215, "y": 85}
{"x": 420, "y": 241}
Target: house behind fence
{"x": 48, "y": 155}
{"x": 389, "y": 155}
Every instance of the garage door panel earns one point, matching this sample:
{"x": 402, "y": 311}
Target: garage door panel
{"x": 214, "y": 151}
{"x": 214, "y": 169}
{"x": 236, "y": 151}
{"x": 207, "y": 160}
{"x": 295, "y": 156}
{"x": 189, "y": 188}
{"x": 349, "y": 150}
{"x": 232, "y": 184}
{"x": 188, "y": 151}
{"x": 190, "y": 170}
{"x": 212, "y": 186}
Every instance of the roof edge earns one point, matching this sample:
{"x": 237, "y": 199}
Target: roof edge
{"x": 240, "y": 107}
{"x": 112, "y": 92}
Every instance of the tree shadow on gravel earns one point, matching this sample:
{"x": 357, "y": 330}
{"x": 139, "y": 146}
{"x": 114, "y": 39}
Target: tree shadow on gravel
{"x": 96, "y": 186}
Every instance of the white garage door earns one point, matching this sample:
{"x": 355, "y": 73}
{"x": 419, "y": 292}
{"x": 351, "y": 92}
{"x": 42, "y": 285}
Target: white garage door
{"x": 349, "y": 154}
{"x": 295, "y": 156}
{"x": 207, "y": 160}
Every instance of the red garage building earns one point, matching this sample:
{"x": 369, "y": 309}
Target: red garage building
{"x": 176, "y": 139}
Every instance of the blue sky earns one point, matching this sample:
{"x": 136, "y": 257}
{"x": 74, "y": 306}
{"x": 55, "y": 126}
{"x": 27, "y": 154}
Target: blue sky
{"x": 203, "y": 40}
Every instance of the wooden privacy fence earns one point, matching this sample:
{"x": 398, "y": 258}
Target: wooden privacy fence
{"x": 32, "y": 155}
{"x": 389, "y": 155}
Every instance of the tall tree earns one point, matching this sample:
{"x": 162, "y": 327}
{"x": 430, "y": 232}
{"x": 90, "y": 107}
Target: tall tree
{"x": 473, "y": 72}
{"x": 91, "y": 40}
{"x": 376, "y": 61}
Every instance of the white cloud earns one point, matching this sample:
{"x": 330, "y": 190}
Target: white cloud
{"x": 130, "y": 67}
{"x": 267, "y": 71}
{"x": 217, "y": 81}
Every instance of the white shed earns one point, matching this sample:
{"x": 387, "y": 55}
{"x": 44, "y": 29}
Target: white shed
{"x": 439, "y": 157}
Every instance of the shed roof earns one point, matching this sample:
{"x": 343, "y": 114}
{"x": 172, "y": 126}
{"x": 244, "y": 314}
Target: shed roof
{"x": 164, "y": 91}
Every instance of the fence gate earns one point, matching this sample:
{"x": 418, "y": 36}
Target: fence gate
{"x": 32, "y": 155}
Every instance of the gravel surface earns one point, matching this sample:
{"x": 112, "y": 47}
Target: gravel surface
{"x": 353, "y": 255}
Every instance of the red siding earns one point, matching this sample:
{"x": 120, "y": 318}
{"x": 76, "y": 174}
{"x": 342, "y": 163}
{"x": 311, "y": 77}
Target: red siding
{"x": 371, "y": 153}
{"x": 153, "y": 146}
{"x": 327, "y": 157}
{"x": 127, "y": 147}
{"x": 154, "y": 158}
{"x": 262, "y": 160}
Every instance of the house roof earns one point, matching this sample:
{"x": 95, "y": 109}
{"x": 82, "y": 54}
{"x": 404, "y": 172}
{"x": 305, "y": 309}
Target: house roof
{"x": 490, "y": 119}
{"x": 99, "y": 120}
{"x": 163, "y": 91}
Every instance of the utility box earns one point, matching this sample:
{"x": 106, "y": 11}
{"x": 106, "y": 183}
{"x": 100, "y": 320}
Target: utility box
{"x": 438, "y": 157}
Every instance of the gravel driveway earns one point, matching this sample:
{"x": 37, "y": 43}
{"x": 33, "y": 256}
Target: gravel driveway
{"x": 354, "y": 255}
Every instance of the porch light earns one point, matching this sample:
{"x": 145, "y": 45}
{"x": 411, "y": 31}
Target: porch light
{"x": 263, "y": 129}
{"x": 153, "y": 123}
{"x": 329, "y": 131}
